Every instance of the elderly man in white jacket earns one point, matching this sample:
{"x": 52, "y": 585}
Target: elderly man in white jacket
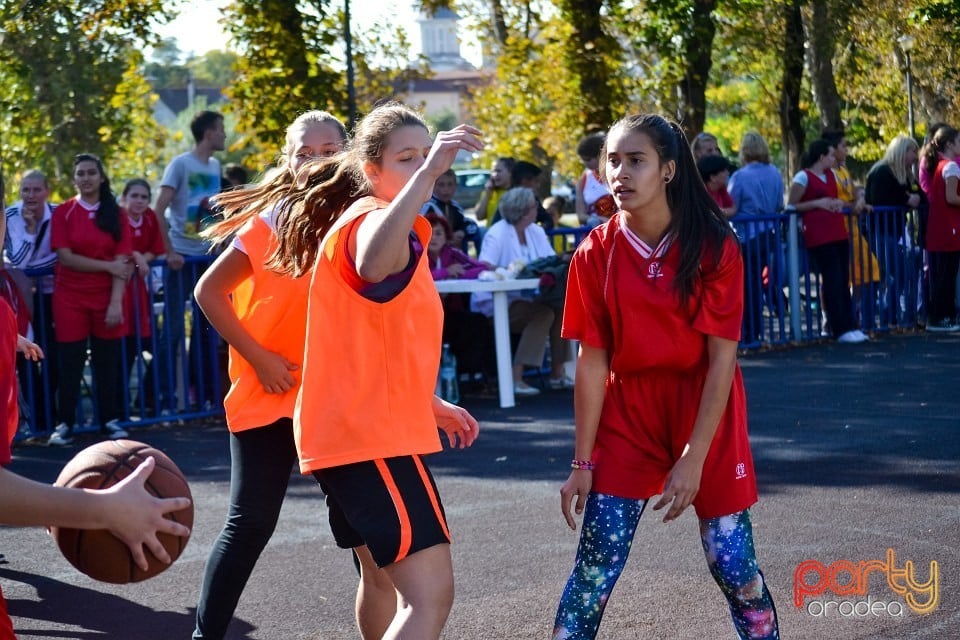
{"x": 516, "y": 237}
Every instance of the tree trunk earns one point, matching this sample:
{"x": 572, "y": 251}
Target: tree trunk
{"x": 698, "y": 48}
{"x": 823, "y": 44}
{"x": 585, "y": 58}
{"x": 791, "y": 117}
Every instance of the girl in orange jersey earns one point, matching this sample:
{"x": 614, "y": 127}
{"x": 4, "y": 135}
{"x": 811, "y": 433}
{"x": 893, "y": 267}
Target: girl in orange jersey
{"x": 366, "y": 412}
{"x": 262, "y": 315}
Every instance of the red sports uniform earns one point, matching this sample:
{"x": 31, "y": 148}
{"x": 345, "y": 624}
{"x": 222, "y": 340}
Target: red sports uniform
{"x": 145, "y": 237}
{"x": 620, "y": 297}
{"x": 9, "y": 416}
{"x": 80, "y": 299}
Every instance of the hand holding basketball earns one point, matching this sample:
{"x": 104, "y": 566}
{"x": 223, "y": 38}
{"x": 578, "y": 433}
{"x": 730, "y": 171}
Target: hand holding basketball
{"x": 143, "y": 500}
{"x": 138, "y": 516}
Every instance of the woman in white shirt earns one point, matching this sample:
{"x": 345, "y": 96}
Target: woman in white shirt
{"x": 517, "y": 237}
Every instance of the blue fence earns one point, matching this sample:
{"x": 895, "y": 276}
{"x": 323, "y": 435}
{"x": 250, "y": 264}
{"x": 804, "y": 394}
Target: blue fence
{"x": 176, "y": 370}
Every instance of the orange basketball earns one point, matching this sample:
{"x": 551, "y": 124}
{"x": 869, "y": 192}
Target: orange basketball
{"x": 98, "y": 553}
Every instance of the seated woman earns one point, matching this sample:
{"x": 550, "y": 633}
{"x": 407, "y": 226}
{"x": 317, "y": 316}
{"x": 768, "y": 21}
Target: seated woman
{"x": 517, "y": 238}
{"x": 468, "y": 334}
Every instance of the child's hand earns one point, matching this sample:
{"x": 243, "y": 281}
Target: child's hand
{"x": 273, "y": 371}
{"x": 456, "y": 422}
{"x": 30, "y": 350}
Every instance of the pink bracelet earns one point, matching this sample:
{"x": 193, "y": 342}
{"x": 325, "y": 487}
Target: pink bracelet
{"x": 582, "y": 464}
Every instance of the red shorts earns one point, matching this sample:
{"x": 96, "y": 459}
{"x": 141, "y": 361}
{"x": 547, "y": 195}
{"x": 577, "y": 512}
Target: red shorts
{"x": 78, "y": 317}
{"x": 390, "y": 505}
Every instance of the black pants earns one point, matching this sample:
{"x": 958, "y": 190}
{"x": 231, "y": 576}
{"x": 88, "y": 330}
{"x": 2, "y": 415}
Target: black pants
{"x": 39, "y": 379}
{"x": 833, "y": 263}
{"x": 105, "y": 358}
{"x": 261, "y": 460}
{"x": 943, "y": 293}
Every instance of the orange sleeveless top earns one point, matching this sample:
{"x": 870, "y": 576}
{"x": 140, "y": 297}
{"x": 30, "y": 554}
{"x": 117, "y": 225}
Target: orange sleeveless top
{"x": 369, "y": 368}
{"x": 273, "y": 309}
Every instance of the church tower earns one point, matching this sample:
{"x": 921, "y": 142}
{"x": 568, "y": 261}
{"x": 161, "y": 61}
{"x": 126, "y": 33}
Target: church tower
{"x": 439, "y": 41}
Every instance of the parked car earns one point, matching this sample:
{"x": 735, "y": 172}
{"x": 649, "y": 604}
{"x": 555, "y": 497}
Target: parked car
{"x": 470, "y": 183}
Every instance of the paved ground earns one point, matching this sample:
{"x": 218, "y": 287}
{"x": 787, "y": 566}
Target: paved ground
{"x": 857, "y": 451}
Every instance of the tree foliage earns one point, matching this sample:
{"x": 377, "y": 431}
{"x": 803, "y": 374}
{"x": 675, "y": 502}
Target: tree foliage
{"x": 69, "y": 83}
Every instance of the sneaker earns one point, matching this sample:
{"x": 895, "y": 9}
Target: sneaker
{"x": 60, "y": 436}
{"x": 563, "y": 382}
{"x": 114, "y": 431}
{"x": 523, "y": 389}
{"x": 943, "y": 326}
{"x": 854, "y": 336}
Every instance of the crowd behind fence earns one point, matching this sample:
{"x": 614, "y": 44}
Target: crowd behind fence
{"x": 181, "y": 374}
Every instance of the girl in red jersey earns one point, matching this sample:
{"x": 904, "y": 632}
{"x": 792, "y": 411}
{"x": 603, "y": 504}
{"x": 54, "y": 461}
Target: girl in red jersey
{"x": 655, "y": 297}
{"x": 943, "y": 227}
{"x": 366, "y": 412}
{"x": 91, "y": 236}
{"x": 262, "y": 316}
{"x": 147, "y": 242}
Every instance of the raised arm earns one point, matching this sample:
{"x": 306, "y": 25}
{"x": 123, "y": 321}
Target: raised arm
{"x": 164, "y": 198}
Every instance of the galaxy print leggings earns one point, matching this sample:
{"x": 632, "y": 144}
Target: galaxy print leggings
{"x": 609, "y": 524}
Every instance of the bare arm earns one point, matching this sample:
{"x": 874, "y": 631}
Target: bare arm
{"x": 480, "y": 211}
{"x": 117, "y": 287}
{"x": 213, "y": 296}
{"x": 77, "y": 262}
{"x": 164, "y": 198}
{"x": 953, "y": 196}
{"x": 381, "y": 240}
{"x": 683, "y": 482}
{"x": 593, "y": 369}
{"x": 796, "y": 193}
{"x": 126, "y": 509}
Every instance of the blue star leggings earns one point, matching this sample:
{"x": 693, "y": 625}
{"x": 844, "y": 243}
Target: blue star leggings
{"x": 607, "y": 533}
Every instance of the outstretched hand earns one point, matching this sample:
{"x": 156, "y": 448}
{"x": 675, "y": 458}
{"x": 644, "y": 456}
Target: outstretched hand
{"x": 136, "y": 517}
{"x": 461, "y": 427}
{"x": 447, "y": 144}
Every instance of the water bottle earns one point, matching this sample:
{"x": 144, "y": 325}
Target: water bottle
{"x": 447, "y": 386}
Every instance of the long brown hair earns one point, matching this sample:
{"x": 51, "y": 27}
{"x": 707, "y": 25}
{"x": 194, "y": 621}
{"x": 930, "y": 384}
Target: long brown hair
{"x": 932, "y": 150}
{"x": 237, "y": 206}
{"x": 326, "y": 188}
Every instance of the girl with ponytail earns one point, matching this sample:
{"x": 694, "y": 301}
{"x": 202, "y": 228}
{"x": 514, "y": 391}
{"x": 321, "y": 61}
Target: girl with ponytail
{"x": 262, "y": 316}
{"x": 655, "y": 297}
{"x": 943, "y": 227}
{"x": 92, "y": 240}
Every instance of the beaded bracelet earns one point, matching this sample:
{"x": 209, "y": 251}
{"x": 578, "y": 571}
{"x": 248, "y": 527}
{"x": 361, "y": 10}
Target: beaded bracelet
{"x": 582, "y": 464}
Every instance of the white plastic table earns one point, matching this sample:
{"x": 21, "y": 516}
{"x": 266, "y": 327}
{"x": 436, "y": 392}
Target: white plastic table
{"x": 501, "y": 322}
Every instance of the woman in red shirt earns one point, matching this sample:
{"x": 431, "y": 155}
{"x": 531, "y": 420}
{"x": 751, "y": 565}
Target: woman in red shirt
{"x": 91, "y": 236}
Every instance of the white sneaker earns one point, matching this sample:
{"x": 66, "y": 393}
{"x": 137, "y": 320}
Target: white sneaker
{"x": 60, "y": 436}
{"x": 563, "y": 382}
{"x": 114, "y": 431}
{"x": 854, "y": 336}
{"x": 523, "y": 389}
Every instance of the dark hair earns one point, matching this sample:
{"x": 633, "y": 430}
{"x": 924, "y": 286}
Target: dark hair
{"x": 450, "y": 173}
{"x": 234, "y": 175}
{"x": 709, "y": 166}
{"x": 932, "y": 130}
{"x": 817, "y": 149}
{"x": 833, "y": 136}
{"x": 435, "y": 220}
{"x": 694, "y": 216}
{"x": 107, "y": 217}
{"x": 202, "y": 122}
{"x": 590, "y": 145}
{"x": 136, "y": 182}
{"x": 326, "y": 187}
{"x": 523, "y": 170}
{"x": 932, "y": 150}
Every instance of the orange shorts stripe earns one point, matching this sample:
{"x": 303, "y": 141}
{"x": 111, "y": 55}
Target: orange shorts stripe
{"x": 406, "y": 530}
{"x": 434, "y": 499}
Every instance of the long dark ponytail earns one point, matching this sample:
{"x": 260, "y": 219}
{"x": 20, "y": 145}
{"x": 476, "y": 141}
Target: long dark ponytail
{"x": 935, "y": 146}
{"x": 695, "y": 218}
{"x": 107, "y": 217}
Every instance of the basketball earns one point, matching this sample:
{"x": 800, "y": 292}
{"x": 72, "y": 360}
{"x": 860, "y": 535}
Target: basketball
{"x": 98, "y": 553}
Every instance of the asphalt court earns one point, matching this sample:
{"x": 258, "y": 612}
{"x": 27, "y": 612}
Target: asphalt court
{"x": 856, "y": 450}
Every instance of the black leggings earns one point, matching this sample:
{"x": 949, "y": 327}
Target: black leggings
{"x": 105, "y": 358}
{"x": 261, "y": 460}
{"x": 943, "y": 296}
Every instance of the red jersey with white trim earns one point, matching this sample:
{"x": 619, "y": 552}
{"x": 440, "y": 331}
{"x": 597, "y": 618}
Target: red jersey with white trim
{"x": 621, "y": 298}
{"x": 9, "y": 410}
{"x": 73, "y": 227}
{"x": 145, "y": 238}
